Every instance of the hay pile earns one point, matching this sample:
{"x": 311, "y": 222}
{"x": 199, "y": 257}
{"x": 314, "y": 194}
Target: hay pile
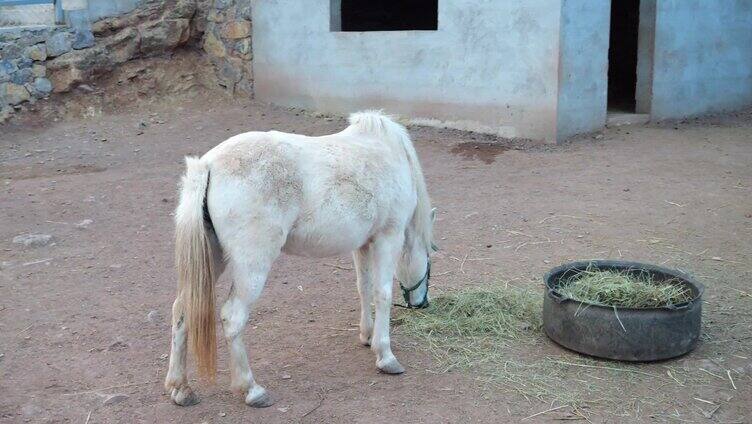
{"x": 623, "y": 289}
{"x": 486, "y": 329}
{"x": 469, "y": 326}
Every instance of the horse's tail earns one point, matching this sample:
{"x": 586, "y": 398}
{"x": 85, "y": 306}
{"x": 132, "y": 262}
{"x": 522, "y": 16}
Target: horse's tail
{"x": 195, "y": 266}
{"x": 376, "y": 122}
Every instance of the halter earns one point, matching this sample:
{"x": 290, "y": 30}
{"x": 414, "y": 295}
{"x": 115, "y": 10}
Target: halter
{"x": 406, "y": 291}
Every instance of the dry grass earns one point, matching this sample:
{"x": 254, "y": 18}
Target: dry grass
{"x": 623, "y": 289}
{"x": 494, "y": 332}
{"x": 492, "y": 312}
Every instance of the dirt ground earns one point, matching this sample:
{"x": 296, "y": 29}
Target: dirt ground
{"x": 86, "y": 316}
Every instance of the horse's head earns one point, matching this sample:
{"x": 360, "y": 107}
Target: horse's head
{"x": 414, "y": 268}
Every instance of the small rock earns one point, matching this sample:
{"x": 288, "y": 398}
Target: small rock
{"x": 116, "y": 266}
{"x": 707, "y": 365}
{"x": 82, "y": 40}
{"x": 117, "y": 346}
{"x": 154, "y": 317}
{"x": 43, "y": 85}
{"x": 59, "y": 43}
{"x": 14, "y": 93}
{"x": 243, "y": 46}
{"x": 236, "y": 30}
{"x": 37, "y": 52}
{"x": 22, "y": 76}
{"x": 222, "y": 4}
{"x": 283, "y": 409}
{"x": 31, "y": 410}
{"x": 84, "y": 224}
{"x": 285, "y": 376}
{"x": 33, "y": 240}
{"x": 222, "y": 414}
{"x": 24, "y": 63}
{"x": 86, "y": 87}
{"x": 116, "y": 398}
{"x": 163, "y": 356}
{"x": 6, "y": 69}
{"x": 39, "y": 70}
{"x": 213, "y": 45}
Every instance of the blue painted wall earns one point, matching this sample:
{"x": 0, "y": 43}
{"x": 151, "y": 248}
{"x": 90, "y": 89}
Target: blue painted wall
{"x": 99, "y": 9}
{"x": 703, "y": 57}
{"x": 583, "y": 67}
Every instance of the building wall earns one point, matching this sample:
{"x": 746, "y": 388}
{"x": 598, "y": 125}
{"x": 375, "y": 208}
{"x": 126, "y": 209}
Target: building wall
{"x": 492, "y": 65}
{"x": 44, "y": 14}
{"x": 583, "y": 67}
{"x": 703, "y": 57}
{"x": 30, "y": 14}
{"x": 99, "y": 9}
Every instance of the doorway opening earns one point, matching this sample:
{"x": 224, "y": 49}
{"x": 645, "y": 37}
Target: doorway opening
{"x": 622, "y": 56}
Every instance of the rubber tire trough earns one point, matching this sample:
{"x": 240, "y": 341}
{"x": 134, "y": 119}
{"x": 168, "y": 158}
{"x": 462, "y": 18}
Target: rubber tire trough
{"x": 625, "y": 334}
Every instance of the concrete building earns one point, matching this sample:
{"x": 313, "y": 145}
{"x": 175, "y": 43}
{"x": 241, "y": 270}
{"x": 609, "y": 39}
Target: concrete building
{"x": 539, "y": 69}
{"x": 50, "y": 12}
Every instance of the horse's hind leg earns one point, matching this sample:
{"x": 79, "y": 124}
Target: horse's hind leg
{"x": 248, "y": 282}
{"x": 250, "y": 266}
{"x": 363, "y": 259}
{"x": 176, "y": 382}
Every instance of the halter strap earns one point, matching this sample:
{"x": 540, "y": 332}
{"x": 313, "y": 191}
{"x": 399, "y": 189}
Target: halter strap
{"x": 406, "y": 291}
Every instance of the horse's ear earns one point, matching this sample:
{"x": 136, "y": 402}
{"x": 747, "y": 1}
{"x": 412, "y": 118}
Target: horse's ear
{"x": 433, "y": 215}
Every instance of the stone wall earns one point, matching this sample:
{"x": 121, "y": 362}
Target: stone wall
{"x": 24, "y": 54}
{"x": 35, "y": 62}
{"x": 227, "y": 43}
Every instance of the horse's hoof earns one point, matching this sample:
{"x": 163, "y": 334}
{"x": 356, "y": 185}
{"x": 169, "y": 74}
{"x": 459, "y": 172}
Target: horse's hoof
{"x": 390, "y": 366}
{"x": 184, "y": 397}
{"x": 365, "y": 341}
{"x": 259, "y": 400}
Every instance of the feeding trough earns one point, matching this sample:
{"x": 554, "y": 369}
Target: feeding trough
{"x": 622, "y": 333}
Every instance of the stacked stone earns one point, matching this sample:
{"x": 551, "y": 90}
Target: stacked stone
{"x": 227, "y": 42}
{"x": 23, "y": 56}
{"x": 35, "y": 62}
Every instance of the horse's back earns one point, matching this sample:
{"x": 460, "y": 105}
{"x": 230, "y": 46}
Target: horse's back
{"x": 326, "y": 195}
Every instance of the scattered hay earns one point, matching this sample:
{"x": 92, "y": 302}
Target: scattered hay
{"x": 473, "y": 328}
{"x": 494, "y": 332}
{"x": 623, "y": 289}
{"x": 493, "y": 312}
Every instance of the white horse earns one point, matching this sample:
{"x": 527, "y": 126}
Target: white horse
{"x": 261, "y": 193}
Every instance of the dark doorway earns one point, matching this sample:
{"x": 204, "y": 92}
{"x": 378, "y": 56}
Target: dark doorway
{"x": 389, "y": 15}
{"x": 622, "y": 55}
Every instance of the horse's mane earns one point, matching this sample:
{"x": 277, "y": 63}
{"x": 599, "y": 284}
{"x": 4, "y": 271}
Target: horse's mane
{"x": 376, "y": 122}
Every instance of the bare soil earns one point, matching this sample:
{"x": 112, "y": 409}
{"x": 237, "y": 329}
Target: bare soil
{"x": 87, "y": 316}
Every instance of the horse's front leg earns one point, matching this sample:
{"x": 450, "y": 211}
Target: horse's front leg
{"x": 386, "y": 250}
{"x": 249, "y": 280}
{"x": 363, "y": 259}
